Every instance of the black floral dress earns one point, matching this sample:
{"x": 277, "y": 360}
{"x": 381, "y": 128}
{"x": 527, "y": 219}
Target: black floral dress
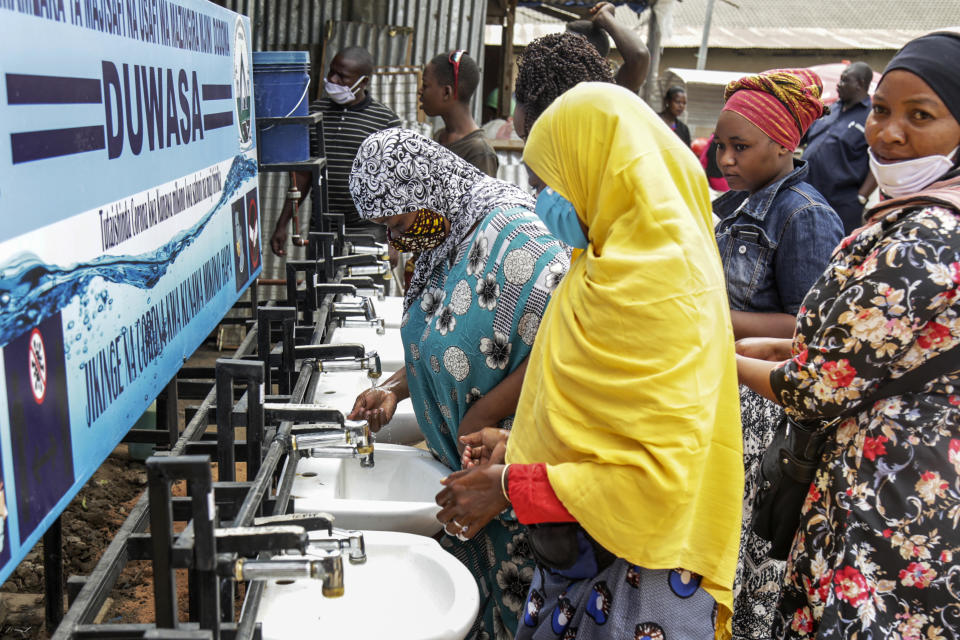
{"x": 877, "y": 552}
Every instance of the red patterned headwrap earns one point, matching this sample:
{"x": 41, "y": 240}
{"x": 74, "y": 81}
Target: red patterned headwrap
{"x": 783, "y": 103}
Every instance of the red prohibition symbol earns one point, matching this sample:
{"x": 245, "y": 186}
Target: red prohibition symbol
{"x": 38, "y": 366}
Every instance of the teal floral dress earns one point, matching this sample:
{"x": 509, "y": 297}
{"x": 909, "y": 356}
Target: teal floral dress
{"x": 473, "y": 325}
{"x": 471, "y": 313}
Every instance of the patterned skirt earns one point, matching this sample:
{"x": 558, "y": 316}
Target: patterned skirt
{"x": 620, "y": 600}
{"x": 756, "y": 590}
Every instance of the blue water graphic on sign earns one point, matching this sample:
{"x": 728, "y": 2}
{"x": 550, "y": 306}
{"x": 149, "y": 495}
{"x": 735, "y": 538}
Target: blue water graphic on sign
{"x": 31, "y": 290}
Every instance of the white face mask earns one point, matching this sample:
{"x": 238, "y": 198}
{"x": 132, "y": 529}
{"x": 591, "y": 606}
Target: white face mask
{"x": 341, "y": 94}
{"x": 907, "y": 177}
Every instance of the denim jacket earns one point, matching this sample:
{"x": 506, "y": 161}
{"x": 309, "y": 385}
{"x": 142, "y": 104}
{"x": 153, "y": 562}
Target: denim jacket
{"x": 775, "y": 243}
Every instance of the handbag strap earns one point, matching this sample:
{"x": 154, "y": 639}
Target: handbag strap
{"x": 912, "y": 380}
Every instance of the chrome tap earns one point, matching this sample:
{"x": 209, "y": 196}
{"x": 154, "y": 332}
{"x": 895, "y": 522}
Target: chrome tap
{"x": 369, "y": 362}
{"x": 342, "y": 540}
{"x": 377, "y": 323}
{"x": 358, "y": 314}
{"x": 380, "y": 269}
{"x": 373, "y": 291}
{"x": 353, "y": 432}
{"x": 345, "y": 451}
{"x": 378, "y": 249}
{"x": 326, "y": 566}
{"x": 365, "y": 286}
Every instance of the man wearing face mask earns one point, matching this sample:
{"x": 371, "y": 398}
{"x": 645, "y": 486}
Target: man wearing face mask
{"x": 350, "y": 114}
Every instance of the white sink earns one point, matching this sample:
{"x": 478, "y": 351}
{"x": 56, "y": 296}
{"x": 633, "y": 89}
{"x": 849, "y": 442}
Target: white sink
{"x": 397, "y": 494}
{"x": 390, "y": 308}
{"x": 408, "y": 588}
{"x": 339, "y": 390}
{"x": 389, "y": 345}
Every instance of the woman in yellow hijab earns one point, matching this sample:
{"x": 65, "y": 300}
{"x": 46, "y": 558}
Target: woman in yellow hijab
{"x": 626, "y": 446}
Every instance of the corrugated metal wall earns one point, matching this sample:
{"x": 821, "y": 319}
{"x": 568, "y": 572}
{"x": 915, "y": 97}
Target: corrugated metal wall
{"x": 390, "y": 46}
{"x": 302, "y": 25}
{"x": 443, "y": 25}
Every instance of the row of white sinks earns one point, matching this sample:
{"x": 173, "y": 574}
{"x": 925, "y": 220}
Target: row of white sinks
{"x": 409, "y": 587}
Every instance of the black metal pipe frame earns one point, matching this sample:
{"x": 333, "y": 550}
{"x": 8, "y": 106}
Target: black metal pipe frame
{"x": 53, "y": 573}
{"x": 247, "y": 627}
{"x": 97, "y": 586}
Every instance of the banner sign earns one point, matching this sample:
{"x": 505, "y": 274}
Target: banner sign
{"x": 128, "y": 195}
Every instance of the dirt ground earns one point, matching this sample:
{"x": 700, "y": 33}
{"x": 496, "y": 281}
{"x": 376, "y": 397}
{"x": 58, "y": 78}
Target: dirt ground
{"x": 89, "y": 524}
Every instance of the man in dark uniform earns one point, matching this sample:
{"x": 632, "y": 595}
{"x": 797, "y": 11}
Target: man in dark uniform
{"x": 836, "y": 150}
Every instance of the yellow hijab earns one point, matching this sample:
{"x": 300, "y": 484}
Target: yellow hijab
{"x": 630, "y": 396}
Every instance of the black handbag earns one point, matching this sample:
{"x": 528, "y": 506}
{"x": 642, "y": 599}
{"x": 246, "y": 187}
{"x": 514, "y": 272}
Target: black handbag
{"x": 792, "y": 459}
{"x": 555, "y": 545}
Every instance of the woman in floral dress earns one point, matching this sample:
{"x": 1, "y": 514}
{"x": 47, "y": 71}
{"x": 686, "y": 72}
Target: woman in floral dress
{"x": 486, "y": 271}
{"x": 876, "y": 552}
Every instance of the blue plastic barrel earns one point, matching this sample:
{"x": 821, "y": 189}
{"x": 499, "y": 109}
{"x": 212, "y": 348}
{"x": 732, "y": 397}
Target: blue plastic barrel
{"x": 280, "y": 83}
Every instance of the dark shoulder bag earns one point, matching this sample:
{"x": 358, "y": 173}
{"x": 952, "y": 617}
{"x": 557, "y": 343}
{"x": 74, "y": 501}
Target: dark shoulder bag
{"x": 792, "y": 459}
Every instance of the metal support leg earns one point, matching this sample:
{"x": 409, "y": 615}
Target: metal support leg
{"x": 168, "y": 413}
{"x": 161, "y": 533}
{"x": 266, "y": 318}
{"x": 252, "y": 374}
{"x": 161, "y": 472}
{"x": 53, "y": 574}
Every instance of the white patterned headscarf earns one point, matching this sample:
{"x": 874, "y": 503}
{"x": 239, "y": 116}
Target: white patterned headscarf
{"x": 397, "y": 171}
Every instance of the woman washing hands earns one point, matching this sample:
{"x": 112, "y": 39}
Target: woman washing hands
{"x": 487, "y": 446}
{"x": 487, "y": 270}
{"x": 626, "y": 448}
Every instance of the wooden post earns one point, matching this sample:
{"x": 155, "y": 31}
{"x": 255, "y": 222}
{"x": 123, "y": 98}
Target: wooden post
{"x": 507, "y": 60}
{"x": 705, "y": 40}
{"x": 650, "y": 92}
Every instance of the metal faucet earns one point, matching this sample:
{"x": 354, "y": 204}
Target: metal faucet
{"x": 373, "y": 291}
{"x": 345, "y": 451}
{"x": 354, "y": 432}
{"x": 358, "y": 314}
{"x": 342, "y": 357}
{"x": 365, "y": 286}
{"x": 363, "y": 308}
{"x": 376, "y": 249}
{"x": 377, "y": 323}
{"x": 369, "y": 362}
{"x": 328, "y": 567}
{"x": 381, "y": 269}
{"x": 342, "y": 540}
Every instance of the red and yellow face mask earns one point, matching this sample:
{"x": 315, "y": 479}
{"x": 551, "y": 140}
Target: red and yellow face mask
{"x": 427, "y": 232}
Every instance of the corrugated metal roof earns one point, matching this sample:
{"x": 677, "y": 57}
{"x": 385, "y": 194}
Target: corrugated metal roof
{"x": 811, "y": 14}
{"x": 796, "y": 38}
{"x": 778, "y": 24}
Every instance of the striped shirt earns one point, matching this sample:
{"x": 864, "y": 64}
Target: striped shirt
{"x": 344, "y": 129}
